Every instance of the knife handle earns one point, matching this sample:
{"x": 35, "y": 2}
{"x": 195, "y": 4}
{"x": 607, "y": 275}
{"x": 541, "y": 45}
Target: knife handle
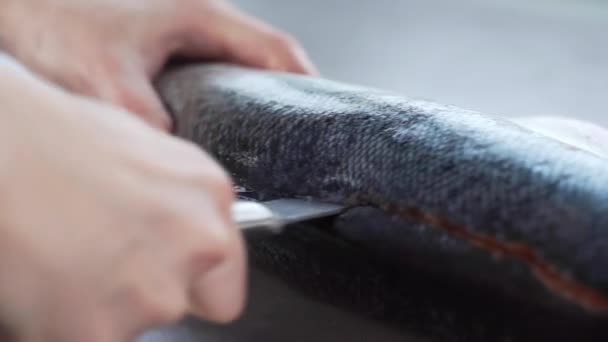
{"x": 252, "y": 215}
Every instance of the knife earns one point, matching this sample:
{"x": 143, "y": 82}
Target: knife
{"x": 274, "y": 215}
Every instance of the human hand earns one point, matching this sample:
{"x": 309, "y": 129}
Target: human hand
{"x": 109, "y": 227}
{"x": 111, "y": 49}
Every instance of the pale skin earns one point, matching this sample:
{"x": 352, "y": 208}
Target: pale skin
{"x": 110, "y": 226}
{"x": 111, "y": 49}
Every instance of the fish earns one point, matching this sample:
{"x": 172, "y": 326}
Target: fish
{"x": 454, "y": 192}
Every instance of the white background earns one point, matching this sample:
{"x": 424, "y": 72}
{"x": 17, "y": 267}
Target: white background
{"x": 512, "y": 58}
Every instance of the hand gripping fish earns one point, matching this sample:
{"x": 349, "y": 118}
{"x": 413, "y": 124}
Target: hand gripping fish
{"x": 456, "y": 191}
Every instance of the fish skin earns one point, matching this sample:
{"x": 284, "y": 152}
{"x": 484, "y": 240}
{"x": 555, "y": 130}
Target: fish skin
{"x": 286, "y": 135}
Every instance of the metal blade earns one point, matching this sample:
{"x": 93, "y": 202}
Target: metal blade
{"x": 298, "y": 210}
{"x": 275, "y": 214}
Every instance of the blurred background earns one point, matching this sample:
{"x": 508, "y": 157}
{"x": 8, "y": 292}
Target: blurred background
{"x": 505, "y": 57}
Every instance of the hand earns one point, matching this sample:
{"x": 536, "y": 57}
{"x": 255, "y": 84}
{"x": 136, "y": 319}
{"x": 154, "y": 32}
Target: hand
{"x": 111, "y": 49}
{"x": 109, "y": 227}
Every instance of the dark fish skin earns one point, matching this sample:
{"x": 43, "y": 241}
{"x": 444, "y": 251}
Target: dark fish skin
{"x": 450, "y": 190}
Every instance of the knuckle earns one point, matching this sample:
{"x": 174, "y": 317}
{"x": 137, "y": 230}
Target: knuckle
{"x": 80, "y": 83}
{"x": 217, "y": 244}
{"x": 145, "y": 107}
{"x": 130, "y": 100}
{"x": 158, "y": 213}
{"x": 201, "y": 213}
{"x": 161, "y": 121}
{"x": 212, "y": 177}
{"x": 155, "y": 118}
{"x": 167, "y": 313}
{"x": 222, "y": 189}
{"x": 215, "y": 174}
{"x": 158, "y": 308}
{"x": 220, "y": 299}
{"x": 228, "y": 315}
{"x": 282, "y": 41}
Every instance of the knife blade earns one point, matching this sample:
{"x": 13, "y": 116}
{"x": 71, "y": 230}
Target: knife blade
{"x": 274, "y": 215}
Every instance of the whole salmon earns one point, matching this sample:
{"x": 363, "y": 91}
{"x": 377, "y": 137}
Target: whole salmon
{"x": 452, "y": 190}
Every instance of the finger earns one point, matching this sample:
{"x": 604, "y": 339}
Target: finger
{"x": 229, "y": 34}
{"x": 219, "y": 294}
{"x": 135, "y": 93}
{"x": 214, "y": 245}
{"x": 282, "y": 53}
{"x": 125, "y": 87}
{"x": 218, "y": 286}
